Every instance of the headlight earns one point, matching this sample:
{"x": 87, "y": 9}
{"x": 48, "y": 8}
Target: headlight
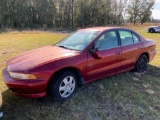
{"x": 22, "y": 76}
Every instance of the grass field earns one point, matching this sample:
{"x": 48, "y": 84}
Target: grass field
{"x": 126, "y": 96}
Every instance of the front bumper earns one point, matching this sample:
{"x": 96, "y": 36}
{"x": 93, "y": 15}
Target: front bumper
{"x": 26, "y": 88}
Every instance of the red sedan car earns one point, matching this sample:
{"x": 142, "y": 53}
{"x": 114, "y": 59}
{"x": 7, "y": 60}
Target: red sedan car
{"x": 87, "y": 55}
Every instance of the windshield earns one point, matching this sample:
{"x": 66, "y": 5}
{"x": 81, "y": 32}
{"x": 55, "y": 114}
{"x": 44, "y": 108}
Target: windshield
{"x": 78, "y": 41}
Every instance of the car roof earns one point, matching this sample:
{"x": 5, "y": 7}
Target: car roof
{"x": 103, "y": 28}
{"x": 153, "y": 26}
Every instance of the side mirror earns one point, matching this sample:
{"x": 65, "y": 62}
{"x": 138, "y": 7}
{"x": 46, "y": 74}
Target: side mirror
{"x": 94, "y": 50}
{"x": 95, "y": 46}
{"x": 98, "y": 54}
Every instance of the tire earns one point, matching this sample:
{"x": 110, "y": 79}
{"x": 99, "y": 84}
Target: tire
{"x": 151, "y": 30}
{"x": 63, "y": 85}
{"x": 141, "y": 64}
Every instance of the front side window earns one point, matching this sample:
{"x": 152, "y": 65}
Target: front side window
{"x": 107, "y": 40}
{"x": 126, "y": 37}
{"x": 79, "y": 40}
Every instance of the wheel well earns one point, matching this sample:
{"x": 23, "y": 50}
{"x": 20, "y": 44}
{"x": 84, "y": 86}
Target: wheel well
{"x": 146, "y": 55}
{"x": 151, "y": 29}
{"x": 74, "y": 70}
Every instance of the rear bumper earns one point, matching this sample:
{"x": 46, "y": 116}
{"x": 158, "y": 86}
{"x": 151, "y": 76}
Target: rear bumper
{"x": 25, "y": 88}
{"x": 152, "y": 54}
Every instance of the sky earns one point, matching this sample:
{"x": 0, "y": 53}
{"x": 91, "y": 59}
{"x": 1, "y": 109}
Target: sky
{"x": 156, "y": 10}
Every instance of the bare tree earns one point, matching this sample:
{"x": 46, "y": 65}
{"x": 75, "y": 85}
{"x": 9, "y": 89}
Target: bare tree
{"x": 139, "y": 10}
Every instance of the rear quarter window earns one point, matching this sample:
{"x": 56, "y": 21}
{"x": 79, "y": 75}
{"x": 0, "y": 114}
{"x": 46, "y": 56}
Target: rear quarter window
{"x": 135, "y": 38}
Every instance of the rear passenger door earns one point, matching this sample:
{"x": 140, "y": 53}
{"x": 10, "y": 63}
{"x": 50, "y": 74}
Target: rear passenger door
{"x": 131, "y": 48}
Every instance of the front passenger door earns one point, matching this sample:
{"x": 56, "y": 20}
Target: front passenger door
{"x": 110, "y": 63}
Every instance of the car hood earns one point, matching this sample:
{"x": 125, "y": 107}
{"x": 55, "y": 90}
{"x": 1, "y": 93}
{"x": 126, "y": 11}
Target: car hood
{"x": 37, "y": 57}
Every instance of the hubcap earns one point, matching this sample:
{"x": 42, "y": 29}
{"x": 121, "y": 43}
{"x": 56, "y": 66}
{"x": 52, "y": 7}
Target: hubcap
{"x": 67, "y": 86}
{"x": 142, "y": 64}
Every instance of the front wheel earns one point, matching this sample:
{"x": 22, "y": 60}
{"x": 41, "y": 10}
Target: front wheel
{"x": 141, "y": 64}
{"x": 152, "y": 30}
{"x": 63, "y": 86}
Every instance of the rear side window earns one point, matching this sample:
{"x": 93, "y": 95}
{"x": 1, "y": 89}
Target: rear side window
{"x": 135, "y": 38}
{"x": 126, "y": 37}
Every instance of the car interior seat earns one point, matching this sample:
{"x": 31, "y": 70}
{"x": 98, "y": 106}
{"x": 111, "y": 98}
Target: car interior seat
{"x": 127, "y": 41}
{"x": 109, "y": 42}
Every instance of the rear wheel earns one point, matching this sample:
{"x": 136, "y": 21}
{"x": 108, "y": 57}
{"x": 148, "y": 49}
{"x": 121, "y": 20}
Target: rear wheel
{"x": 141, "y": 64}
{"x": 63, "y": 86}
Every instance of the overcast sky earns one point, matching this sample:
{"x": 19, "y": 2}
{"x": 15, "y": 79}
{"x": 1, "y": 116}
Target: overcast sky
{"x": 156, "y": 10}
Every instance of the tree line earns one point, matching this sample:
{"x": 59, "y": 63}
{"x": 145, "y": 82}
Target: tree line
{"x": 73, "y": 13}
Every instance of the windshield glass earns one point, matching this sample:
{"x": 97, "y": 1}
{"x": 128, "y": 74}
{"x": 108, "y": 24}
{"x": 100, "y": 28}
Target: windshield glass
{"x": 78, "y": 41}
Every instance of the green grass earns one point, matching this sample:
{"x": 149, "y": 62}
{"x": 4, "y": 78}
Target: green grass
{"x": 124, "y": 96}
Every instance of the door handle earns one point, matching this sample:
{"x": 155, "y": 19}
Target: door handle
{"x": 117, "y": 53}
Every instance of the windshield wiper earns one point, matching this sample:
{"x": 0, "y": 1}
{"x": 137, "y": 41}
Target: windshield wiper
{"x": 65, "y": 47}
